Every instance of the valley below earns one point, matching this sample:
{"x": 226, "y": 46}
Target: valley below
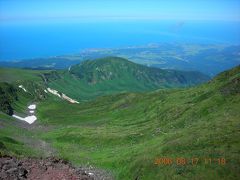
{"x": 113, "y": 119}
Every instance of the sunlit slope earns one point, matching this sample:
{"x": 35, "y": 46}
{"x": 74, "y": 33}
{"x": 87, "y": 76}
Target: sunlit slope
{"x": 12, "y": 137}
{"x": 13, "y": 75}
{"x": 126, "y": 133}
{"x": 112, "y": 75}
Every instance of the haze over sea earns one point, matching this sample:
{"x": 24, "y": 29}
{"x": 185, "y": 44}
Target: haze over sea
{"x": 43, "y": 28}
{"x": 29, "y": 40}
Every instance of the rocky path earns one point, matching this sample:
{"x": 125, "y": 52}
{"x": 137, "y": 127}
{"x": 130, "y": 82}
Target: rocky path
{"x": 40, "y": 169}
{"x": 47, "y": 169}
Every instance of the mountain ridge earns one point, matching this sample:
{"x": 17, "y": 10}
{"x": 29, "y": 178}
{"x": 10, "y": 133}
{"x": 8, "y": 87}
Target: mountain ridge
{"x": 114, "y": 74}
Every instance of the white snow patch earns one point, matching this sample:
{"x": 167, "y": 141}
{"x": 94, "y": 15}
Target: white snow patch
{"x": 69, "y": 99}
{"x": 32, "y": 106}
{"x": 54, "y": 92}
{"x": 90, "y": 174}
{"x": 63, "y": 96}
{"x": 21, "y": 86}
{"x": 28, "y": 119}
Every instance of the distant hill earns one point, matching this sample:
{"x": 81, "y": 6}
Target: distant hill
{"x": 209, "y": 59}
{"x": 41, "y": 63}
{"x": 113, "y": 75}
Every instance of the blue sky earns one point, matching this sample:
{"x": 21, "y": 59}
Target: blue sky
{"x": 22, "y": 10}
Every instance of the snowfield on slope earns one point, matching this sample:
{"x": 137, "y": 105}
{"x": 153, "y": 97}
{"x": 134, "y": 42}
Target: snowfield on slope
{"x": 32, "y": 106}
{"x": 29, "y": 119}
{"x": 63, "y": 96}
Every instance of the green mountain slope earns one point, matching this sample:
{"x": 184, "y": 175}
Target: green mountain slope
{"x": 128, "y": 133}
{"x": 18, "y": 87}
{"x": 113, "y": 75}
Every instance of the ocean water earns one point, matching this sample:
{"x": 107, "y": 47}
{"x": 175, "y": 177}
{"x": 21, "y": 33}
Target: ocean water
{"x": 30, "y": 40}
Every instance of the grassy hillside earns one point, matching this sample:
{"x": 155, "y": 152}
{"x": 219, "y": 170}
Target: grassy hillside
{"x": 16, "y": 137}
{"x": 127, "y": 133}
{"x": 31, "y": 80}
{"x": 112, "y": 75}
{"x": 18, "y": 87}
{"x": 11, "y": 138}
{"x": 12, "y": 75}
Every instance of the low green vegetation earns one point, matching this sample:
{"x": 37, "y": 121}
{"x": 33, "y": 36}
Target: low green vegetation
{"x": 127, "y": 133}
{"x": 19, "y": 75}
{"x": 13, "y": 99}
{"x": 113, "y": 75}
{"x": 12, "y": 138}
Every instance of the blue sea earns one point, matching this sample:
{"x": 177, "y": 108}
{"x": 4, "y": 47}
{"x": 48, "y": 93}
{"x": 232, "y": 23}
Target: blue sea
{"x": 31, "y": 39}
